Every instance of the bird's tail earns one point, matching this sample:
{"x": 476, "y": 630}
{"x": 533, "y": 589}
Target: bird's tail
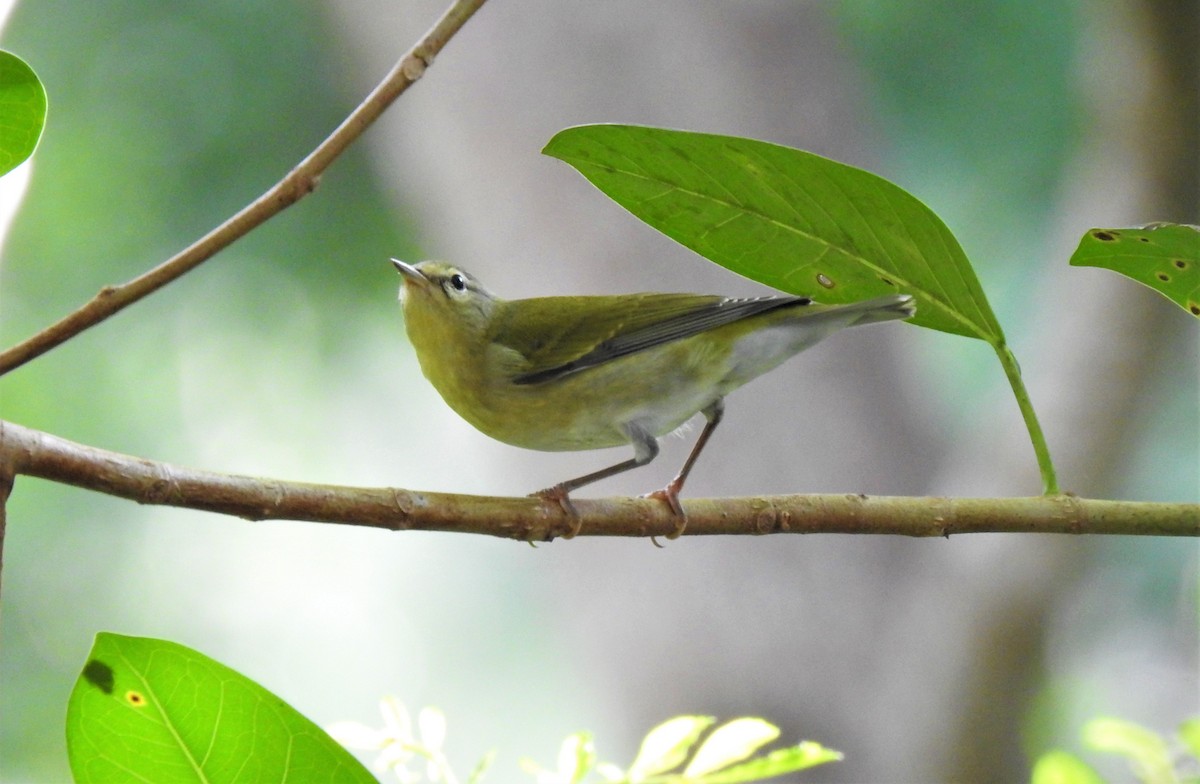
{"x": 870, "y": 311}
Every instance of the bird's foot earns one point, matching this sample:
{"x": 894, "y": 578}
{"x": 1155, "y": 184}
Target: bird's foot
{"x": 559, "y": 494}
{"x": 670, "y": 494}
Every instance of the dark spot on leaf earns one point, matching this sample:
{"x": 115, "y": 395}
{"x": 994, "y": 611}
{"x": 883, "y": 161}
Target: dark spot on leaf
{"x": 99, "y": 675}
{"x": 135, "y": 698}
{"x": 824, "y": 280}
{"x": 1143, "y": 239}
{"x": 886, "y": 281}
{"x": 1195, "y": 308}
{"x": 1164, "y": 277}
{"x": 1104, "y": 236}
{"x": 1180, "y": 264}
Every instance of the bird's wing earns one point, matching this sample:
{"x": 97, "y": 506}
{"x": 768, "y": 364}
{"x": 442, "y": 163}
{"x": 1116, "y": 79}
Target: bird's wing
{"x": 560, "y": 335}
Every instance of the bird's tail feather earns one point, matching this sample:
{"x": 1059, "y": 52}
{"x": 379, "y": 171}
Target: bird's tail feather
{"x": 870, "y": 311}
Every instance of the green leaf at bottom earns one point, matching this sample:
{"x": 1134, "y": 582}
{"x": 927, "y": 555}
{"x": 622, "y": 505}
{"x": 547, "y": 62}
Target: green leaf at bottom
{"x": 153, "y": 710}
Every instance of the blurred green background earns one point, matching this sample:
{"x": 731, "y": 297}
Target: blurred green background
{"x": 1021, "y": 123}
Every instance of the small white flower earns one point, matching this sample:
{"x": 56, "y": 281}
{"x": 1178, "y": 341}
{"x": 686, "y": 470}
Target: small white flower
{"x": 576, "y": 758}
{"x": 431, "y": 726}
{"x": 398, "y": 748}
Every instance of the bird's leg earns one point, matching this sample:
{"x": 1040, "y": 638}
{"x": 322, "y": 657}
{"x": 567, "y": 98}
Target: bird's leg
{"x": 670, "y": 493}
{"x": 645, "y": 449}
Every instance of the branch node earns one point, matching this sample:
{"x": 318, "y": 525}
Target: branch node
{"x": 404, "y": 503}
{"x": 280, "y": 495}
{"x": 295, "y": 186}
{"x": 766, "y": 519}
{"x": 1073, "y": 512}
{"x": 162, "y": 489}
{"x": 414, "y": 66}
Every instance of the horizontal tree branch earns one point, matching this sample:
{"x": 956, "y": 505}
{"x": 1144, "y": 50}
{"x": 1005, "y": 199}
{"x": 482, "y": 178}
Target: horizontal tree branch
{"x": 297, "y": 184}
{"x": 24, "y": 451}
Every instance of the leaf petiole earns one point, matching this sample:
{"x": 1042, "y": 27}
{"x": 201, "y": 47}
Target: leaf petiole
{"x": 1013, "y": 371}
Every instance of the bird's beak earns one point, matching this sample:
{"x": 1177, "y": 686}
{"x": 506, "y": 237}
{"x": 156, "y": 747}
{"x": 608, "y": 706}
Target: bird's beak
{"x": 411, "y": 273}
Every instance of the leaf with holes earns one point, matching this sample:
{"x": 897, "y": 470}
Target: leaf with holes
{"x": 152, "y": 710}
{"x": 1163, "y": 256}
{"x": 788, "y": 218}
{"x": 22, "y": 111}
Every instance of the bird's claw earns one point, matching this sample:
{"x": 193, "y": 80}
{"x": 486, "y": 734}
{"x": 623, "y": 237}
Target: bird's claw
{"x": 670, "y": 494}
{"x": 559, "y": 494}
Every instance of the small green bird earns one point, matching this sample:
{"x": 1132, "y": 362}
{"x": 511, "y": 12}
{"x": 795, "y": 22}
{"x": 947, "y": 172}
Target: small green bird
{"x": 572, "y": 373}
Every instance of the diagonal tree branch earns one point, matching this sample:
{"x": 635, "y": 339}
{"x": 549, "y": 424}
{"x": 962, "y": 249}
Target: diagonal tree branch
{"x": 298, "y": 183}
{"x": 34, "y": 453}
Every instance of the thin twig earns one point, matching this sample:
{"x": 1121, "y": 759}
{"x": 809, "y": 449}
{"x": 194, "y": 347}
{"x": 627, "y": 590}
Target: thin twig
{"x": 298, "y": 183}
{"x": 35, "y": 453}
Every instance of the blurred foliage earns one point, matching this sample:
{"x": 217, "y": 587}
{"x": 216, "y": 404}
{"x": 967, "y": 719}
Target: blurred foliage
{"x": 1149, "y": 755}
{"x": 729, "y": 754}
{"x": 179, "y": 116}
{"x": 983, "y": 120}
{"x": 166, "y": 119}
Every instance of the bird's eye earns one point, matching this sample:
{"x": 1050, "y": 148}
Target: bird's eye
{"x": 458, "y": 282}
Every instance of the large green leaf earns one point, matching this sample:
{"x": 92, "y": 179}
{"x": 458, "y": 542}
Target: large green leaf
{"x": 152, "y": 710}
{"x": 1163, "y": 256}
{"x": 22, "y": 111}
{"x": 788, "y": 218}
